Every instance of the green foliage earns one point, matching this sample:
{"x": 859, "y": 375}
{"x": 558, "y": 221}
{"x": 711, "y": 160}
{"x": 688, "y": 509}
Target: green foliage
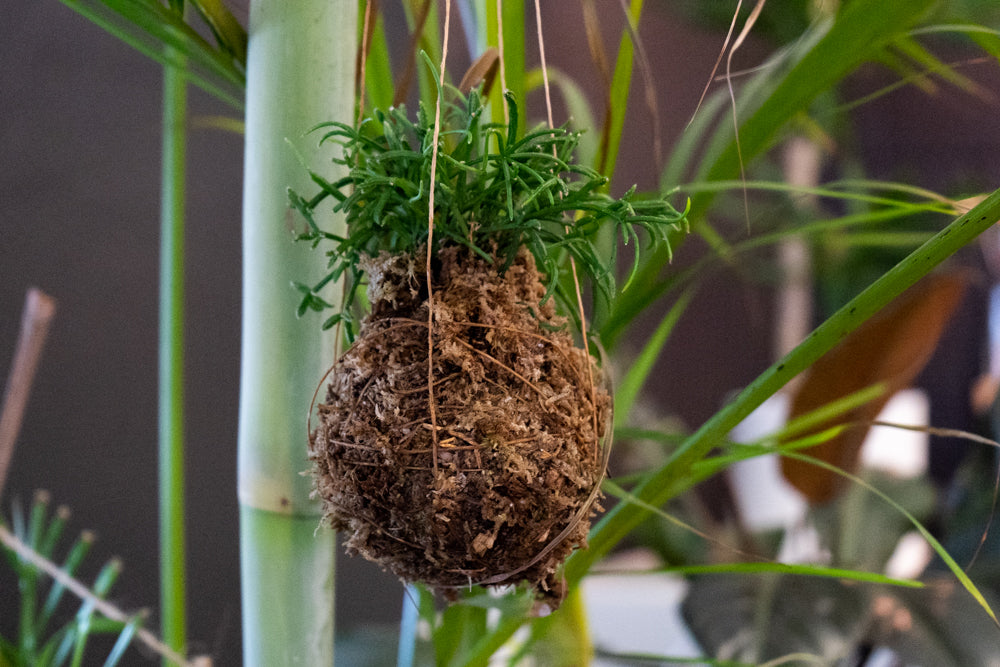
{"x": 494, "y": 194}
{"x": 497, "y": 189}
{"x": 41, "y": 602}
{"x": 163, "y": 33}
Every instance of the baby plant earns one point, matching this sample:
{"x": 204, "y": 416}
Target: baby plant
{"x": 462, "y": 439}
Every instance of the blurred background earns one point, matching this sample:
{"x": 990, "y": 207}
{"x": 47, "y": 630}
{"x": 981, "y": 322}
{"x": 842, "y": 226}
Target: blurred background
{"x": 79, "y": 183}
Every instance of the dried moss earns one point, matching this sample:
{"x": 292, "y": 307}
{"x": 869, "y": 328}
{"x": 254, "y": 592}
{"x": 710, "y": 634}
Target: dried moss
{"x": 518, "y": 426}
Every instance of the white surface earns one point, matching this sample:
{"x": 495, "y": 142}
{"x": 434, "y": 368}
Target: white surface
{"x": 912, "y": 556}
{"x": 638, "y": 613}
{"x": 897, "y": 451}
{"x": 765, "y": 500}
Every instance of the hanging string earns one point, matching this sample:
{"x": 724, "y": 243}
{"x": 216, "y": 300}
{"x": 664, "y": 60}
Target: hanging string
{"x": 572, "y": 261}
{"x": 430, "y": 239}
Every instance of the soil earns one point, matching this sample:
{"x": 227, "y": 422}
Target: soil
{"x": 492, "y": 482}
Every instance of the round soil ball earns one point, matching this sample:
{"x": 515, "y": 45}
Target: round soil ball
{"x": 480, "y": 466}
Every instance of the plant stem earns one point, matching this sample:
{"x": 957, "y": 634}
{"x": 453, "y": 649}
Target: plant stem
{"x": 39, "y": 309}
{"x": 300, "y": 73}
{"x": 171, "y": 361}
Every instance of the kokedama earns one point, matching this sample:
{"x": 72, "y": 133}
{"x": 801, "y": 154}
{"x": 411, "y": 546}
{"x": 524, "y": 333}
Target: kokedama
{"x": 462, "y": 437}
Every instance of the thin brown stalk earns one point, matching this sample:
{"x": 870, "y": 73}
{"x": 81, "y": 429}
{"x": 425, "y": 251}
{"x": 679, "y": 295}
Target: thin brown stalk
{"x": 39, "y": 309}
{"x": 371, "y": 6}
{"x": 406, "y": 80}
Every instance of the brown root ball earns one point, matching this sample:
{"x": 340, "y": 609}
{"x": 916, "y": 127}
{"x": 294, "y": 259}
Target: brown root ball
{"x": 494, "y": 479}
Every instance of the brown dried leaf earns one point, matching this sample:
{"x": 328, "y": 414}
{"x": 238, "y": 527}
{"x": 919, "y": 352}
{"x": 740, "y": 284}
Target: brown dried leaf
{"x": 891, "y": 348}
{"x": 482, "y": 71}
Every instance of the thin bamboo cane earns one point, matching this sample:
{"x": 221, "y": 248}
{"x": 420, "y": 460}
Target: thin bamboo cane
{"x": 171, "y": 362}
{"x": 300, "y": 72}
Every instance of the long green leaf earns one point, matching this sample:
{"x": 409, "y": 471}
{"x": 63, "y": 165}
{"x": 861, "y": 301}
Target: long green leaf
{"x": 661, "y": 484}
{"x": 942, "y": 553}
{"x": 639, "y": 370}
{"x": 816, "y": 64}
{"x": 512, "y": 16}
{"x": 378, "y": 69}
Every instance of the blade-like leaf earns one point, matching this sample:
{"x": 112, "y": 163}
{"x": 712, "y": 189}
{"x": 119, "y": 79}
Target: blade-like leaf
{"x": 662, "y": 483}
{"x": 150, "y": 27}
{"x": 815, "y": 64}
{"x": 639, "y": 370}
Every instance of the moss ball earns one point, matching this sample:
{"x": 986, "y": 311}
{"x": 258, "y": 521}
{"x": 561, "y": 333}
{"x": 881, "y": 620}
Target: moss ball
{"x": 493, "y": 480}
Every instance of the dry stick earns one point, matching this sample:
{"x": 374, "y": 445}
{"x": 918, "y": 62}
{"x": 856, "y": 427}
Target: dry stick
{"x": 363, "y": 59}
{"x": 403, "y": 84}
{"x": 430, "y": 236}
{"x": 649, "y": 86}
{"x": 572, "y": 261}
{"x": 751, "y": 20}
{"x": 39, "y": 309}
{"x": 106, "y": 609}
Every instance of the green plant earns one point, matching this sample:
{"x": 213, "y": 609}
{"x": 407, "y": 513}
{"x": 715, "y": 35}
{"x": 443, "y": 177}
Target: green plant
{"x": 528, "y": 192}
{"x": 796, "y": 90}
{"x": 492, "y": 341}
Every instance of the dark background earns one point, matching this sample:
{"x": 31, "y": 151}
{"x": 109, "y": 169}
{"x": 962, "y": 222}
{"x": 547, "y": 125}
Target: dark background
{"x": 79, "y": 183}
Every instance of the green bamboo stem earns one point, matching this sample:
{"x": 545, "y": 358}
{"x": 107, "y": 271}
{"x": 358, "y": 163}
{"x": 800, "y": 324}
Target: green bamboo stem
{"x": 171, "y": 361}
{"x": 300, "y": 72}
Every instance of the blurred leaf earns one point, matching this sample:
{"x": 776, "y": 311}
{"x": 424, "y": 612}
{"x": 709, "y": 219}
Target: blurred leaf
{"x": 151, "y": 27}
{"x": 581, "y": 115}
{"x": 563, "y": 639}
{"x": 481, "y": 72}
{"x": 460, "y": 627}
{"x": 890, "y": 349}
{"x": 513, "y": 18}
{"x": 230, "y": 35}
{"x": 378, "y": 69}
{"x": 946, "y": 558}
{"x": 614, "y": 120}
{"x": 756, "y": 619}
{"x": 628, "y": 389}
{"x": 815, "y": 63}
{"x": 866, "y": 531}
{"x": 935, "y": 626}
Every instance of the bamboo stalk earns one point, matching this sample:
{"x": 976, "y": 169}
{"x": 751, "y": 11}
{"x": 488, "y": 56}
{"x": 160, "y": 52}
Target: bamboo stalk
{"x": 300, "y": 72}
{"x": 171, "y": 362}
